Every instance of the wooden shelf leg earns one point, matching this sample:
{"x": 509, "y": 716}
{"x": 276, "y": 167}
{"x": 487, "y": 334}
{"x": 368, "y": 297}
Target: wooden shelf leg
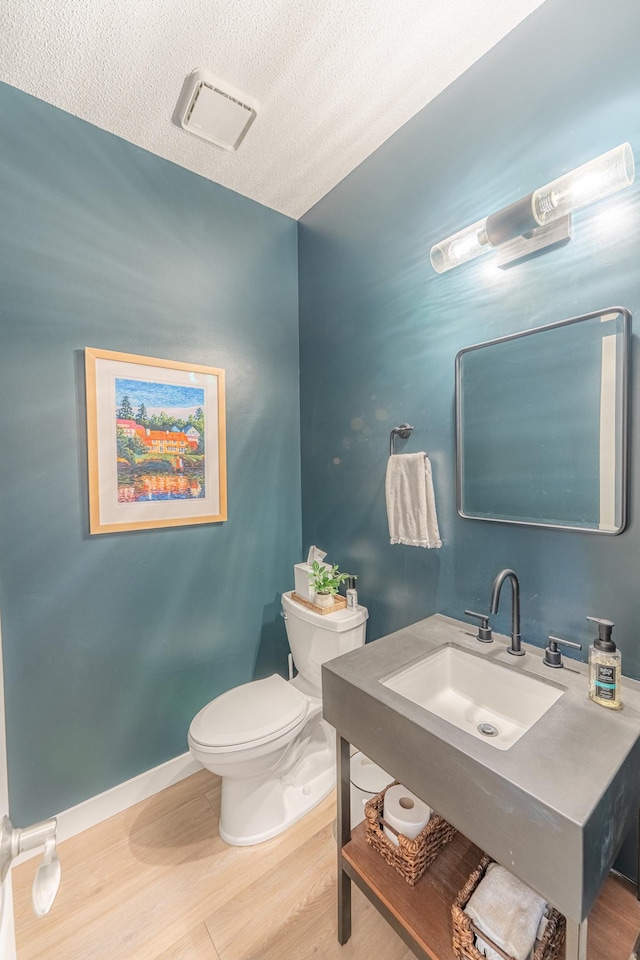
{"x": 576, "y": 948}
{"x": 343, "y": 763}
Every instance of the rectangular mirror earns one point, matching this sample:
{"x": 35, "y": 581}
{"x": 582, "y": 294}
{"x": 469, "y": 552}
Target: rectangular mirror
{"x": 541, "y": 425}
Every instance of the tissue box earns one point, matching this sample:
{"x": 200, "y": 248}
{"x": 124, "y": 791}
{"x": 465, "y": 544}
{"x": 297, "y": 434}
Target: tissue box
{"x": 302, "y": 586}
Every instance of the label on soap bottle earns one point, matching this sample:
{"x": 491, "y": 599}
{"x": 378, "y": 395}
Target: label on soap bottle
{"x": 605, "y": 681}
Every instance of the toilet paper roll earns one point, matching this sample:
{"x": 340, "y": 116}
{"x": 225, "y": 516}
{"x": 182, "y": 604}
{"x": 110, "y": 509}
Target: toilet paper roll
{"x": 405, "y": 812}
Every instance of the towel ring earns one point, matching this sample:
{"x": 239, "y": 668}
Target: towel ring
{"x": 403, "y": 431}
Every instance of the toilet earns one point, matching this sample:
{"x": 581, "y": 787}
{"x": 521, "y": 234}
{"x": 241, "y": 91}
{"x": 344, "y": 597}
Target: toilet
{"x": 267, "y": 739}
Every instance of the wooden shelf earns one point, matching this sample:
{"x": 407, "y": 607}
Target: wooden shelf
{"x": 422, "y": 914}
{"x": 424, "y": 911}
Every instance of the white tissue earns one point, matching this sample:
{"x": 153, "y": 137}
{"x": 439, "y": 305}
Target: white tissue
{"x": 315, "y": 554}
{"x": 405, "y": 812}
{"x": 301, "y": 572}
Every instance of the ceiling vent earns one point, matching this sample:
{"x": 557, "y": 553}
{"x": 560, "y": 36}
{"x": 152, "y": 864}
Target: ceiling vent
{"x": 214, "y": 110}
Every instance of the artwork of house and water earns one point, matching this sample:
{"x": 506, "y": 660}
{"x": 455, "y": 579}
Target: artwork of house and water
{"x": 160, "y": 441}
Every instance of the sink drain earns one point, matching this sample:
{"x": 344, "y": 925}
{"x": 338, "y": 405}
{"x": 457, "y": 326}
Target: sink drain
{"x": 488, "y": 730}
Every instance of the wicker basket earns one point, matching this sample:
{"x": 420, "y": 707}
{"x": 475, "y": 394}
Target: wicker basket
{"x": 464, "y": 930}
{"x": 411, "y": 857}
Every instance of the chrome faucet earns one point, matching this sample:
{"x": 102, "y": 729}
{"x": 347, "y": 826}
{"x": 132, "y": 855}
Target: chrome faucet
{"x": 515, "y": 648}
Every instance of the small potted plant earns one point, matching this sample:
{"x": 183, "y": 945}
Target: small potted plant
{"x": 325, "y": 582}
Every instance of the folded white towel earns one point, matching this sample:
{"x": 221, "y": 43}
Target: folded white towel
{"x": 491, "y": 954}
{"x": 507, "y": 911}
{"x": 411, "y": 505}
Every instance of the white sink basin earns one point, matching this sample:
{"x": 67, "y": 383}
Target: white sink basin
{"x": 490, "y": 701}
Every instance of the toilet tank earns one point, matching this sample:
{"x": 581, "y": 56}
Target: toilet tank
{"x": 315, "y": 638}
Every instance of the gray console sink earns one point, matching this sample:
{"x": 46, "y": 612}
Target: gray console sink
{"x": 553, "y": 806}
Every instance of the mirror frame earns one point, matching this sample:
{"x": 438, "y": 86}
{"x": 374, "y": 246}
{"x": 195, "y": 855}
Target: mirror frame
{"x": 622, "y": 483}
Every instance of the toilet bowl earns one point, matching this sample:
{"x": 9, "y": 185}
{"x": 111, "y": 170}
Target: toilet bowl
{"x": 267, "y": 740}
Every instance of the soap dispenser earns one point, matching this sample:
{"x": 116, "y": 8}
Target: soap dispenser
{"x": 605, "y": 667}
{"x": 352, "y": 595}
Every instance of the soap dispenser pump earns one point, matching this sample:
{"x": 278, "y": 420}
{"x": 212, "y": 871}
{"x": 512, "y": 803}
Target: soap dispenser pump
{"x": 605, "y": 667}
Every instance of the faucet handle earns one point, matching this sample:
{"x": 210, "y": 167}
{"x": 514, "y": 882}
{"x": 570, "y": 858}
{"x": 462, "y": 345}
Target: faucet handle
{"x": 484, "y": 630}
{"x": 553, "y": 656}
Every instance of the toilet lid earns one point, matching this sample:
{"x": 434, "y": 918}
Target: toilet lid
{"x": 256, "y": 711}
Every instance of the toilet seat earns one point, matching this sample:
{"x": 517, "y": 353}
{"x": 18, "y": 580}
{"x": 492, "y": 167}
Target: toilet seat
{"x": 249, "y": 715}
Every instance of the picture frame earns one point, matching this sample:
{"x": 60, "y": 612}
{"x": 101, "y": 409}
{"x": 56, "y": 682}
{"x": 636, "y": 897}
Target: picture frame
{"x": 156, "y": 442}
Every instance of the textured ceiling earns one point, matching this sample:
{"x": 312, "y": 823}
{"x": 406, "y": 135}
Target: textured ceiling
{"x": 333, "y": 78}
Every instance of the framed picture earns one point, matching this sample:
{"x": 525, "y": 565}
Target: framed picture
{"x": 157, "y": 442}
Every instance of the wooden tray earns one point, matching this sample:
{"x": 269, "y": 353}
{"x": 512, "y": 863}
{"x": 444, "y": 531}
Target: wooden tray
{"x": 339, "y": 603}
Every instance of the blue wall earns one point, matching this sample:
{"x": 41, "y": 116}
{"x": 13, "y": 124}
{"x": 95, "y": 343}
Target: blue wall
{"x": 112, "y": 643}
{"x": 560, "y": 89}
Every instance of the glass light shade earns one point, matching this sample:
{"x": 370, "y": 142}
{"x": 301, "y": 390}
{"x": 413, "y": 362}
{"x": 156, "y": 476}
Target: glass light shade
{"x": 460, "y": 247}
{"x": 592, "y": 181}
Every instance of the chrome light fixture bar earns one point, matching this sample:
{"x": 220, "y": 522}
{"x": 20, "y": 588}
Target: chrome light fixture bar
{"x": 540, "y": 220}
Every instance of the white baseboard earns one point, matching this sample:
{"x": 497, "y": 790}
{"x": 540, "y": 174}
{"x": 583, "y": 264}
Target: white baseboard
{"x": 96, "y": 809}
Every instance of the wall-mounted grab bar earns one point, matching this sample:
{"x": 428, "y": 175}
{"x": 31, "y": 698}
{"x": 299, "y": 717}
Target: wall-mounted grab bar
{"x": 403, "y": 431}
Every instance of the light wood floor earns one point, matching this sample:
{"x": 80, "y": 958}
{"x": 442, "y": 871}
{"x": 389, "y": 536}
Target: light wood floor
{"x": 157, "y": 883}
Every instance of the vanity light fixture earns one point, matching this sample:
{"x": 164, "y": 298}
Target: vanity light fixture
{"x": 540, "y": 220}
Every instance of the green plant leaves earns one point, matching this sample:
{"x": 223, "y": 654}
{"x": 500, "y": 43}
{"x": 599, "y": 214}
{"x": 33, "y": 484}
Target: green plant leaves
{"x": 325, "y": 579}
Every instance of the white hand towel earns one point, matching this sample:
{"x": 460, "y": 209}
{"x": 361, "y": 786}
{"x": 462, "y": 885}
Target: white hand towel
{"x": 507, "y": 911}
{"x": 491, "y": 954}
{"x": 411, "y": 505}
